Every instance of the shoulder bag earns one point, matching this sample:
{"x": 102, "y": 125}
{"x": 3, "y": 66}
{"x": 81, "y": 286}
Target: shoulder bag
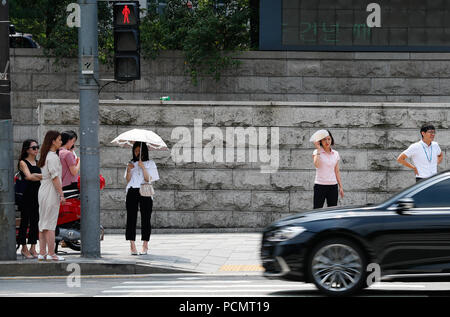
{"x": 146, "y": 190}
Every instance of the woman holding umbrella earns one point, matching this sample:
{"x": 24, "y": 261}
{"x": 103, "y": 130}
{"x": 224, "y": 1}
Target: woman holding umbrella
{"x": 139, "y": 170}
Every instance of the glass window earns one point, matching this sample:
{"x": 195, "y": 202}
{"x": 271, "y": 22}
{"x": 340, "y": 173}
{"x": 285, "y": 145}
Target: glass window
{"x": 437, "y": 195}
{"x": 21, "y": 42}
{"x": 355, "y": 25}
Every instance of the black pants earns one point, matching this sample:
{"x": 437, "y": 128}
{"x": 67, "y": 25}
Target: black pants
{"x": 29, "y": 216}
{"x": 74, "y": 191}
{"x": 329, "y": 193}
{"x": 145, "y": 204}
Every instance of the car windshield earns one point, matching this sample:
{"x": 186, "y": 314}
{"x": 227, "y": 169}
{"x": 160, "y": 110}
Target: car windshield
{"x": 435, "y": 195}
{"x": 438, "y": 186}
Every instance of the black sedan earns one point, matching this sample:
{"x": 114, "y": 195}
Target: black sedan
{"x": 343, "y": 250}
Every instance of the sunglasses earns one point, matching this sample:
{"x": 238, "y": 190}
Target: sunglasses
{"x": 36, "y": 147}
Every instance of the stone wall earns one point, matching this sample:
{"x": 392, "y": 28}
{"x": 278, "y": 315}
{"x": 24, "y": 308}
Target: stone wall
{"x": 237, "y": 194}
{"x": 262, "y": 76}
{"x": 370, "y": 129}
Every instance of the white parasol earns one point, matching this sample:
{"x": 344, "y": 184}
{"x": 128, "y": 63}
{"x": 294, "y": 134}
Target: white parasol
{"x": 153, "y": 141}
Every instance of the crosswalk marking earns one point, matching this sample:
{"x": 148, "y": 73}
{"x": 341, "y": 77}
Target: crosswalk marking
{"x": 181, "y": 291}
{"x": 40, "y": 294}
{"x": 203, "y": 288}
{"x": 216, "y": 287}
{"x": 184, "y": 282}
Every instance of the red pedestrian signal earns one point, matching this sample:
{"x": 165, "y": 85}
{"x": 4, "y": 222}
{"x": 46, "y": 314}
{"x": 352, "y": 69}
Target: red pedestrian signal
{"x": 126, "y": 41}
{"x": 126, "y": 13}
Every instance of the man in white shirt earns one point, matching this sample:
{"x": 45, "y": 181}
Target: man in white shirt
{"x": 425, "y": 154}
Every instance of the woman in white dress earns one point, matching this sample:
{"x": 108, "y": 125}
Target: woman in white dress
{"x": 50, "y": 195}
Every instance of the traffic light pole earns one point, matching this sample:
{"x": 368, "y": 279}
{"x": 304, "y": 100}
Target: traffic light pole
{"x": 7, "y": 210}
{"x": 89, "y": 125}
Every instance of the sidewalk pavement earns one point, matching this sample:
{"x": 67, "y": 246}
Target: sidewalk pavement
{"x": 219, "y": 253}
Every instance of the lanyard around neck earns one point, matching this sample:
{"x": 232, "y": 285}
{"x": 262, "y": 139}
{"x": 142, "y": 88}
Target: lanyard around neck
{"x": 426, "y": 153}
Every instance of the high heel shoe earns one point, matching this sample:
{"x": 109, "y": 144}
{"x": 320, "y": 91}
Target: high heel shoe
{"x": 54, "y": 257}
{"x": 133, "y": 250}
{"x": 29, "y": 257}
{"x": 143, "y": 252}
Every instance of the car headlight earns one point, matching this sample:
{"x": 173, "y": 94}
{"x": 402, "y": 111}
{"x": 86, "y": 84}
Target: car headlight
{"x": 284, "y": 234}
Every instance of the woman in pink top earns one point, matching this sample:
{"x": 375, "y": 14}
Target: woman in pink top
{"x": 326, "y": 161}
{"x": 70, "y": 163}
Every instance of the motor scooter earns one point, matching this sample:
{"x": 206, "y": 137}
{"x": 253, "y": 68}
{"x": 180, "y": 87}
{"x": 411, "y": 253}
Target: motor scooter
{"x": 68, "y": 227}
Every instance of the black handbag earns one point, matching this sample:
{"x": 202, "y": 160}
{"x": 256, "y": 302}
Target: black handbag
{"x": 20, "y": 186}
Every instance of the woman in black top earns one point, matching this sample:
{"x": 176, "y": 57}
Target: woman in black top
{"x": 29, "y": 210}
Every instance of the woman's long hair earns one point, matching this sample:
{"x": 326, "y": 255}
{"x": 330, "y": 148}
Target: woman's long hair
{"x": 46, "y": 145}
{"x": 144, "y": 150}
{"x": 25, "y": 146}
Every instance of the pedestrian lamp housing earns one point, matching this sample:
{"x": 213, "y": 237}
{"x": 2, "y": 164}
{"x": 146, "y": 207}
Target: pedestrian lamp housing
{"x": 126, "y": 14}
{"x": 126, "y": 41}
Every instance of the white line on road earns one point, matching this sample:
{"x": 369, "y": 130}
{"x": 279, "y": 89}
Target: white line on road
{"x": 185, "y": 282}
{"x": 396, "y": 285}
{"x": 233, "y": 291}
{"x": 208, "y": 286}
{"x": 44, "y": 294}
{"x": 183, "y": 295}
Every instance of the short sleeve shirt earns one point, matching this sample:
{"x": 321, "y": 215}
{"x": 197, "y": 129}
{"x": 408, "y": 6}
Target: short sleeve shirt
{"x": 137, "y": 176}
{"x": 52, "y": 166}
{"x": 67, "y": 160}
{"x": 325, "y": 174}
{"x": 424, "y": 157}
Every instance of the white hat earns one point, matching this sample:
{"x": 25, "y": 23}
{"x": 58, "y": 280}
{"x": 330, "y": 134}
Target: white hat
{"x": 319, "y": 135}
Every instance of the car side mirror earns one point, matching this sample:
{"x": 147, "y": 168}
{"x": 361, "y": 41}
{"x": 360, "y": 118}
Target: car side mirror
{"x": 404, "y": 204}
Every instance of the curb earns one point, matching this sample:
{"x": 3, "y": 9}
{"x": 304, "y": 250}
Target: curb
{"x": 12, "y": 269}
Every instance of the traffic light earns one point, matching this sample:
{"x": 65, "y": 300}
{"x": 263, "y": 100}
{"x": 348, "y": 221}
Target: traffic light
{"x": 127, "y": 64}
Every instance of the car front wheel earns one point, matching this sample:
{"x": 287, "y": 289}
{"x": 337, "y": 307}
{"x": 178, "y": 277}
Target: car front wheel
{"x": 337, "y": 267}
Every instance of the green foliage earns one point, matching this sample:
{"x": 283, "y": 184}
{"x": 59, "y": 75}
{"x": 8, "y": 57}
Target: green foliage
{"x": 105, "y": 34}
{"x": 46, "y": 21}
{"x": 208, "y": 34}
{"x": 43, "y": 19}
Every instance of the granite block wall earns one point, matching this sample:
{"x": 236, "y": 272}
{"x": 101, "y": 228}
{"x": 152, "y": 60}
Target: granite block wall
{"x": 237, "y": 193}
{"x": 261, "y": 76}
{"x": 372, "y": 102}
